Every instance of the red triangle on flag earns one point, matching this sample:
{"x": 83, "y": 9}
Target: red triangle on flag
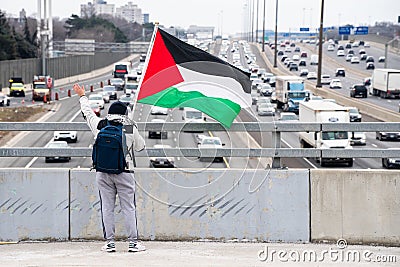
{"x": 161, "y": 72}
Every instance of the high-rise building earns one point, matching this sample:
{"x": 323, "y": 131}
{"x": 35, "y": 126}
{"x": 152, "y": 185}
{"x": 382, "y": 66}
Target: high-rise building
{"x": 98, "y": 7}
{"x": 130, "y": 12}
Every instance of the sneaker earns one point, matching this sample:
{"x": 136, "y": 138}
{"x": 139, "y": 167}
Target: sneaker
{"x": 109, "y": 247}
{"x": 136, "y": 247}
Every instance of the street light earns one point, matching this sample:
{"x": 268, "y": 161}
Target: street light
{"x": 321, "y": 32}
{"x": 276, "y": 34}
{"x": 263, "y": 33}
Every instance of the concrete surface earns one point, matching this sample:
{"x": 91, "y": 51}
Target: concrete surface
{"x": 360, "y": 206}
{"x": 196, "y": 254}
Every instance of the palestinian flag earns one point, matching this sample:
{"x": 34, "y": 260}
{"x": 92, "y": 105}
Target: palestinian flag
{"x": 181, "y": 75}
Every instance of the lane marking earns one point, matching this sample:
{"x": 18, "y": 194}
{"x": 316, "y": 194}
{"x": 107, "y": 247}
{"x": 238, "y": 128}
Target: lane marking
{"x": 309, "y": 162}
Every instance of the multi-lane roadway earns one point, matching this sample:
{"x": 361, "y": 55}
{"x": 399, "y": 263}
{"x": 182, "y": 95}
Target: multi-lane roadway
{"x": 67, "y": 110}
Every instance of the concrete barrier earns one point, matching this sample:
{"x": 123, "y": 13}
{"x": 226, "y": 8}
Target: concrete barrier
{"x": 221, "y": 204}
{"x": 34, "y": 204}
{"x": 360, "y": 206}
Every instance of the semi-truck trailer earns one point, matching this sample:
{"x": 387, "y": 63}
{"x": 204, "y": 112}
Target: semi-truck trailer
{"x": 325, "y": 111}
{"x": 385, "y": 83}
{"x": 290, "y": 92}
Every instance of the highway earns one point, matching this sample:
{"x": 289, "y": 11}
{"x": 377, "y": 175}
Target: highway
{"x": 67, "y": 110}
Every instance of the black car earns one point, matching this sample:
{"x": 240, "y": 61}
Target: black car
{"x": 394, "y": 136}
{"x": 370, "y": 59}
{"x": 302, "y": 63}
{"x": 358, "y": 90}
{"x": 370, "y": 66}
{"x": 340, "y": 72}
{"x": 293, "y": 66}
{"x": 391, "y": 163}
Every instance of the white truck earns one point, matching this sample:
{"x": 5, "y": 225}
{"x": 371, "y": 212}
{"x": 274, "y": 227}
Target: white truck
{"x": 385, "y": 83}
{"x": 290, "y": 92}
{"x": 325, "y": 111}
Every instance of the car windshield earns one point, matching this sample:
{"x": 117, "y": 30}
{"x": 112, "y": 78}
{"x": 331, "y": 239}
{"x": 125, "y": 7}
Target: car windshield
{"x": 353, "y": 110}
{"x": 297, "y": 94}
{"x": 334, "y": 135}
{"x": 211, "y": 142}
{"x": 289, "y": 117}
{"x": 95, "y": 97}
{"x": 94, "y": 105}
{"x": 116, "y": 81}
{"x": 125, "y": 98}
{"x": 40, "y": 86}
{"x": 56, "y": 144}
{"x": 109, "y": 88}
{"x": 17, "y": 85}
{"x": 193, "y": 115}
{"x": 131, "y": 86}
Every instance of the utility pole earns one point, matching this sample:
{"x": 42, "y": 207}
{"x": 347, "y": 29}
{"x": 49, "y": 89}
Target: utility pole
{"x": 276, "y": 35}
{"x": 263, "y": 33}
{"x": 321, "y": 32}
{"x": 257, "y": 23}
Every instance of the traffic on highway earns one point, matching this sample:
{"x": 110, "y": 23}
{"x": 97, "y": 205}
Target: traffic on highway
{"x": 275, "y": 98}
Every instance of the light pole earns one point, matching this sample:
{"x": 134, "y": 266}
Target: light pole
{"x": 321, "y": 32}
{"x": 276, "y": 34}
{"x": 252, "y": 21}
{"x": 263, "y": 33}
{"x": 257, "y": 23}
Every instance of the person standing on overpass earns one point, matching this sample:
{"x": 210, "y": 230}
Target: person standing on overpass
{"x": 110, "y": 185}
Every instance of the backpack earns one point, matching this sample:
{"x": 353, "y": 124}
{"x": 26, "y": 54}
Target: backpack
{"x": 109, "y": 150}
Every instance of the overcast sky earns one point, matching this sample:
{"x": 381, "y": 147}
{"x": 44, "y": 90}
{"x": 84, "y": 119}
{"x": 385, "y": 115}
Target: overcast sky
{"x": 231, "y": 16}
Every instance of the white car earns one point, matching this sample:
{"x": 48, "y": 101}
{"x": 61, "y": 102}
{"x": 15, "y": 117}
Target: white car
{"x": 4, "y": 100}
{"x": 211, "y": 142}
{"x": 296, "y": 58}
{"x": 288, "y": 116}
{"x": 355, "y": 60}
{"x": 159, "y": 111}
{"x": 335, "y": 83}
{"x": 97, "y": 99}
{"x": 69, "y": 136}
{"x": 331, "y": 48}
{"x": 312, "y": 75}
{"x": 303, "y": 72}
{"x": 358, "y": 138}
{"x": 325, "y": 79}
{"x": 266, "y": 109}
{"x": 340, "y": 53}
{"x": 348, "y": 57}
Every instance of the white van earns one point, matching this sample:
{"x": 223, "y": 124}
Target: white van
{"x": 314, "y": 60}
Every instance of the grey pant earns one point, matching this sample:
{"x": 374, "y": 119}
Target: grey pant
{"x": 109, "y": 186}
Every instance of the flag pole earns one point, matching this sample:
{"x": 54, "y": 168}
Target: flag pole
{"x": 144, "y": 68}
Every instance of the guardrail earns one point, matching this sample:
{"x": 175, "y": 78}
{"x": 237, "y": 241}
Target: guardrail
{"x": 275, "y": 128}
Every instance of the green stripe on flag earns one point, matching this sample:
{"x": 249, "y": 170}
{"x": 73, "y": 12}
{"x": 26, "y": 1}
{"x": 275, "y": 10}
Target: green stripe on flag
{"x": 222, "y": 110}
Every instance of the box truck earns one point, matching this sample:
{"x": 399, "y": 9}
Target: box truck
{"x": 385, "y": 83}
{"x": 42, "y": 86}
{"x": 290, "y": 92}
{"x": 325, "y": 111}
